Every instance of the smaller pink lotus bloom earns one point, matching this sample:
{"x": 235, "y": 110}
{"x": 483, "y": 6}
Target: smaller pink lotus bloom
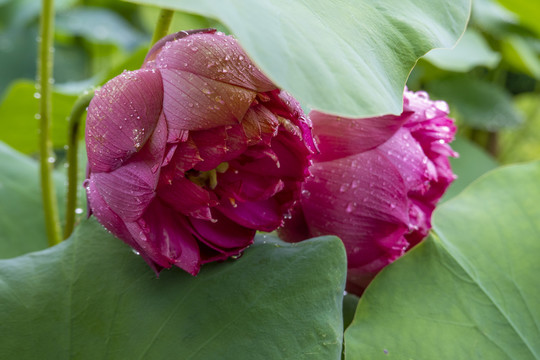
{"x": 375, "y": 183}
{"x": 192, "y": 154}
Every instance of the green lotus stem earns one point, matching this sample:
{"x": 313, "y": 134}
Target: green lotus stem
{"x": 46, "y": 159}
{"x": 74, "y": 122}
{"x": 162, "y": 26}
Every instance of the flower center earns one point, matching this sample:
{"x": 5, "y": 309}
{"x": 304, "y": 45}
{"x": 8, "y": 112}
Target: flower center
{"x": 207, "y": 178}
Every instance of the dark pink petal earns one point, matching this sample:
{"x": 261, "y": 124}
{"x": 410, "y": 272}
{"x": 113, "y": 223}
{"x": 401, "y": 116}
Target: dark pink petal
{"x": 167, "y": 237}
{"x": 295, "y": 227}
{"x": 293, "y": 156}
{"x": 127, "y": 190}
{"x": 121, "y": 117}
{"x": 185, "y": 157}
{"x": 236, "y": 142}
{"x": 245, "y": 186}
{"x": 187, "y": 197}
{"x": 192, "y": 102}
{"x": 258, "y": 159}
{"x": 214, "y": 56}
{"x": 361, "y": 134}
{"x": 264, "y": 215}
{"x": 260, "y": 124}
{"x": 223, "y": 235}
{"x": 112, "y": 222}
{"x": 212, "y": 147}
{"x": 409, "y": 159}
{"x": 361, "y": 198}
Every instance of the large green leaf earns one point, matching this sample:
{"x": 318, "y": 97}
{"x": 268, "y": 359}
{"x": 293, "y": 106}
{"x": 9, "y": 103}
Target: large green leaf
{"x": 22, "y": 227}
{"x": 471, "y": 290}
{"x": 18, "y": 126}
{"x": 91, "y": 297}
{"x": 348, "y": 57}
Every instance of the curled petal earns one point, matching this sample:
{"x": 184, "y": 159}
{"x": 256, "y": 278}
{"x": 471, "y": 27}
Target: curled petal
{"x": 362, "y": 134}
{"x": 121, "y": 117}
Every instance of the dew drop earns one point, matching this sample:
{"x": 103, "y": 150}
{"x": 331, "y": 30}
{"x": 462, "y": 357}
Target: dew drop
{"x": 78, "y": 211}
{"x": 37, "y": 95}
{"x": 350, "y": 207}
{"x": 51, "y": 159}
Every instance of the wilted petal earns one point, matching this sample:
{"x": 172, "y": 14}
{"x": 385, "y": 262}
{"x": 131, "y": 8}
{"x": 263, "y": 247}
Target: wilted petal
{"x": 121, "y": 117}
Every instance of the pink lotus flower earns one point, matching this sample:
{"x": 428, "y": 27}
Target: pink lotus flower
{"x": 193, "y": 153}
{"x": 376, "y": 183}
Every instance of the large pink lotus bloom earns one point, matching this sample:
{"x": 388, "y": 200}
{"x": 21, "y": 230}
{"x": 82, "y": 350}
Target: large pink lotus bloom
{"x": 376, "y": 183}
{"x": 193, "y": 153}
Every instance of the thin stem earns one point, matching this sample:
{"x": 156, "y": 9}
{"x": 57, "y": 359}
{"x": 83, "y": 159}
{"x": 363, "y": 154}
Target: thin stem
{"x": 46, "y": 160}
{"x": 162, "y": 26}
{"x": 74, "y": 122}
